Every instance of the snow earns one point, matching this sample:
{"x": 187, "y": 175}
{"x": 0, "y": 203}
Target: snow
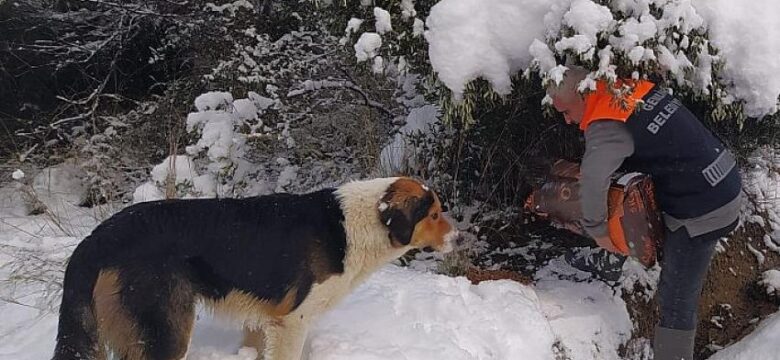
{"x": 148, "y": 191}
{"x": 383, "y": 22}
{"x": 17, "y": 175}
{"x": 458, "y": 325}
{"x": 353, "y": 25}
{"x": 245, "y": 109}
{"x": 378, "y": 66}
{"x": 588, "y": 19}
{"x": 762, "y": 182}
{"x": 397, "y": 155}
{"x": 217, "y": 133}
{"x": 179, "y": 167}
{"x": 231, "y": 7}
{"x": 213, "y": 100}
{"x": 771, "y": 280}
{"x": 61, "y": 184}
{"x": 751, "y": 66}
{"x": 470, "y": 39}
{"x": 261, "y": 102}
{"x": 407, "y": 9}
{"x": 367, "y": 45}
{"x": 418, "y": 27}
{"x": 755, "y": 346}
{"x": 590, "y": 319}
{"x": 286, "y": 177}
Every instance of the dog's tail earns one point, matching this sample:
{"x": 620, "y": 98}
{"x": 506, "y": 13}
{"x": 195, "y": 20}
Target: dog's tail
{"x": 77, "y": 333}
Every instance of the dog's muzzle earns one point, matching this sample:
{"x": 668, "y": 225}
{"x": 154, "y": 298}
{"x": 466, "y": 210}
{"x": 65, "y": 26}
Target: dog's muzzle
{"x": 452, "y": 240}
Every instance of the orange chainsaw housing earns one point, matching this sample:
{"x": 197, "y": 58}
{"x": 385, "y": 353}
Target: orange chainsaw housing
{"x": 633, "y": 219}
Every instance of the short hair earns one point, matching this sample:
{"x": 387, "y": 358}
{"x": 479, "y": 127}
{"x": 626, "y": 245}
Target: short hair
{"x": 568, "y": 86}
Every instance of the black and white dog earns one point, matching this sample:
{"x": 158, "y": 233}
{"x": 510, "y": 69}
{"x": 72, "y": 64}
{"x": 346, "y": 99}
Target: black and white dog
{"x": 274, "y": 263}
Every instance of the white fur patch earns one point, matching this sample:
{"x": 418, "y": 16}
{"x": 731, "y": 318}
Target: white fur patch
{"x": 449, "y": 239}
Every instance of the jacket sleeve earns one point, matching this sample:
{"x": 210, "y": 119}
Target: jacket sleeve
{"x": 607, "y": 144}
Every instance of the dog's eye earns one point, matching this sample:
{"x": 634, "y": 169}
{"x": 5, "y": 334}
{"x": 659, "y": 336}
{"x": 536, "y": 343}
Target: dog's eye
{"x": 435, "y": 216}
{"x": 444, "y": 208}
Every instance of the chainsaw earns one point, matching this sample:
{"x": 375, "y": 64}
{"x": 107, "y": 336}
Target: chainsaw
{"x": 634, "y": 221}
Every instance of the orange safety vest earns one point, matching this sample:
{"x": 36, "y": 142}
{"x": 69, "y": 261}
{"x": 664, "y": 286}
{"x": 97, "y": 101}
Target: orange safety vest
{"x": 601, "y": 105}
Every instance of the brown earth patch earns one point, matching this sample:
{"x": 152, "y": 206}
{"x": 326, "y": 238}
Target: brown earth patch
{"x": 476, "y": 276}
{"x": 731, "y": 304}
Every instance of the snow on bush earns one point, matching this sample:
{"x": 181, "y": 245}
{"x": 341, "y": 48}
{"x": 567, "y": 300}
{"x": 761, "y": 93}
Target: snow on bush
{"x": 17, "y": 175}
{"x": 367, "y": 45}
{"x": 383, "y": 22}
{"x": 398, "y": 156}
{"x": 494, "y": 40}
{"x": 214, "y": 165}
{"x": 395, "y": 30}
{"x": 747, "y": 35}
{"x": 761, "y": 182}
{"x": 470, "y": 39}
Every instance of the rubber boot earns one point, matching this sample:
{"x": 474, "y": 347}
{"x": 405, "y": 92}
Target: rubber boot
{"x": 672, "y": 344}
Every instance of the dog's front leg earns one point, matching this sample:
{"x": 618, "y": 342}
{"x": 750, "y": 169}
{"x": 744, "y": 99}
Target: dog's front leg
{"x": 255, "y": 338}
{"x": 284, "y": 340}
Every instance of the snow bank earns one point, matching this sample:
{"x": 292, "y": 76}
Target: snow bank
{"x": 60, "y": 185}
{"x": 394, "y": 316}
{"x": 759, "y": 345}
{"x": 589, "y": 318}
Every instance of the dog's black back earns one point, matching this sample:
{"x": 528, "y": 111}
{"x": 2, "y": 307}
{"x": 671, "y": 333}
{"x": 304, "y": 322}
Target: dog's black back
{"x": 251, "y": 241}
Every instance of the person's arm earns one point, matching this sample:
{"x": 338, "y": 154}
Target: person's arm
{"x": 607, "y": 144}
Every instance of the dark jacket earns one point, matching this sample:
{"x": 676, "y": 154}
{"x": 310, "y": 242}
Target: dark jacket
{"x": 697, "y": 181}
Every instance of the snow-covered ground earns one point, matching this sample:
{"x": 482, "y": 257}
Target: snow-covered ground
{"x": 399, "y": 313}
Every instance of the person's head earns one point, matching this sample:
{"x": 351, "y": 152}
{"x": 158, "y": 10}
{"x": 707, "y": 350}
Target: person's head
{"x": 565, "y": 97}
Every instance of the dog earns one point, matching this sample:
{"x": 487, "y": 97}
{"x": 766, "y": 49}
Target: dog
{"x": 273, "y": 263}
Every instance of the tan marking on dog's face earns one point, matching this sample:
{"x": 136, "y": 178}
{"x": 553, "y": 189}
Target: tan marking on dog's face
{"x": 405, "y": 188}
{"x": 434, "y": 230}
{"x": 115, "y": 327}
{"x": 414, "y": 215}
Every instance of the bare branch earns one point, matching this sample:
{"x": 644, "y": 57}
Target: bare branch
{"x": 310, "y": 86}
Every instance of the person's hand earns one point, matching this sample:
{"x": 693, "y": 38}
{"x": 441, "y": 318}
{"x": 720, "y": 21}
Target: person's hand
{"x": 606, "y": 243}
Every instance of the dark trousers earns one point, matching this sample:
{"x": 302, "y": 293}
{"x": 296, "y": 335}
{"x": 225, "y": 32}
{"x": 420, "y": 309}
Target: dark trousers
{"x": 684, "y": 265}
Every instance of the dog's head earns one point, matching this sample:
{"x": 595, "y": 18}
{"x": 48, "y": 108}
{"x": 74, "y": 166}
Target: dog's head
{"x": 415, "y": 217}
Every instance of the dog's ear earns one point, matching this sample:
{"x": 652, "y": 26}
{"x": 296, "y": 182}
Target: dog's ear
{"x": 403, "y": 205}
{"x": 400, "y": 226}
